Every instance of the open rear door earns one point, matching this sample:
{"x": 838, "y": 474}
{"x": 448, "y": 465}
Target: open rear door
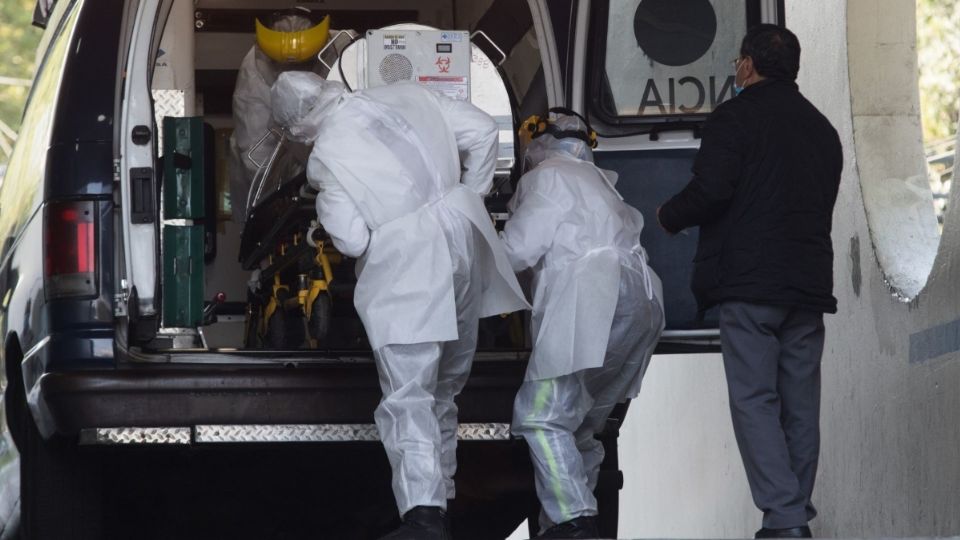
{"x": 137, "y": 171}
{"x": 647, "y": 73}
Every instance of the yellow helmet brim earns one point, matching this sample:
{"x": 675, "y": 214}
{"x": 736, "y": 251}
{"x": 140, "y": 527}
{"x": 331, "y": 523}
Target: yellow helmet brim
{"x": 530, "y": 128}
{"x": 293, "y": 47}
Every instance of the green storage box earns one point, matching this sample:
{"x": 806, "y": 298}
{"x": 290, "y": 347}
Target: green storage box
{"x": 182, "y": 276}
{"x": 183, "y": 168}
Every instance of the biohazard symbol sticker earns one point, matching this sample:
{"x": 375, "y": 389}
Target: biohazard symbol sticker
{"x": 443, "y": 64}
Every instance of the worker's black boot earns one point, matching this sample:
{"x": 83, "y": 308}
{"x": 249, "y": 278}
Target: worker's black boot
{"x": 792, "y": 532}
{"x": 581, "y": 527}
{"x": 422, "y": 523}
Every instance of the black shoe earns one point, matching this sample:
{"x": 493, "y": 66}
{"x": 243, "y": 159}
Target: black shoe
{"x": 422, "y": 523}
{"x": 792, "y": 532}
{"x": 581, "y": 527}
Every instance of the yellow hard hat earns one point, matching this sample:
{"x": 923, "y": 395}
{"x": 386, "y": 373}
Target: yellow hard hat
{"x": 293, "y": 47}
{"x": 535, "y": 126}
{"x": 531, "y": 128}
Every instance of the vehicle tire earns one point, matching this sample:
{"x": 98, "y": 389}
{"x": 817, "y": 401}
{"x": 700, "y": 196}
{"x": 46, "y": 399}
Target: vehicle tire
{"x": 320, "y": 317}
{"x": 60, "y": 488}
{"x": 14, "y": 399}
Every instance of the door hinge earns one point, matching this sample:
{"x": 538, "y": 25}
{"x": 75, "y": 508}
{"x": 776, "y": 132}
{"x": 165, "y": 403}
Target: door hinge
{"x": 117, "y": 190}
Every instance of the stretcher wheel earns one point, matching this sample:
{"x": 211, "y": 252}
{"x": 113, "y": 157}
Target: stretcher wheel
{"x": 320, "y": 317}
{"x": 252, "y": 330}
{"x": 276, "y": 337}
{"x": 296, "y": 332}
{"x": 285, "y": 330}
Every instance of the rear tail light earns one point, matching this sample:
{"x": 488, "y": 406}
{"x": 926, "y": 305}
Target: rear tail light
{"x": 70, "y": 249}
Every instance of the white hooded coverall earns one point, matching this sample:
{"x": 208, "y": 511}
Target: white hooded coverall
{"x": 597, "y": 315}
{"x": 251, "y": 114}
{"x": 401, "y": 172}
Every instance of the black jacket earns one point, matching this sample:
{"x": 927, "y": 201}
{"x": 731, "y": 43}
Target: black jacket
{"x": 763, "y": 189}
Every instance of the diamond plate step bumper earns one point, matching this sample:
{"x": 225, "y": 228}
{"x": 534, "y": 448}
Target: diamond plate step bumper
{"x": 268, "y": 434}
{"x": 165, "y": 403}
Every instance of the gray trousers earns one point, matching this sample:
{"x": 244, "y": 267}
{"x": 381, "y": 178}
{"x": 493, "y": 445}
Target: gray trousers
{"x": 771, "y": 355}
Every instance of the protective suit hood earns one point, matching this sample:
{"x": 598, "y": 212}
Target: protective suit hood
{"x": 547, "y": 146}
{"x": 300, "y": 100}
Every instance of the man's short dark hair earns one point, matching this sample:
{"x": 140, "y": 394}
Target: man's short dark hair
{"x": 774, "y": 49}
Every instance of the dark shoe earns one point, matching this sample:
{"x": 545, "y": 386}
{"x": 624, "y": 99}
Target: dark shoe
{"x": 422, "y": 523}
{"x": 581, "y": 527}
{"x": 792, "y": 532}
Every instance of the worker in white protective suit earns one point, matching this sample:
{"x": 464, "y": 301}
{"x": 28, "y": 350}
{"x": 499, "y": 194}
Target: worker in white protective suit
{"x": 287, "y": 40}
{"x": 597, "y": 315}
{"x": 401, "y": 172}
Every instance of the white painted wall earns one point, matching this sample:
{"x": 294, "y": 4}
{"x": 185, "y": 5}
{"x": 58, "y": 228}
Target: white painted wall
{"x": 890, "y": 462}
{"x": 681, "y": 466}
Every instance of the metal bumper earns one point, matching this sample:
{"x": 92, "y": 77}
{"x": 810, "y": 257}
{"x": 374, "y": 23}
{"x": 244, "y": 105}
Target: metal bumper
{"x": 268, "y": 403}
{"x": 205, "y": 434}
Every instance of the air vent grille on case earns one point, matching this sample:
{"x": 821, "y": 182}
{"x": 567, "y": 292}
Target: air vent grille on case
{"x": 395, "y": 68}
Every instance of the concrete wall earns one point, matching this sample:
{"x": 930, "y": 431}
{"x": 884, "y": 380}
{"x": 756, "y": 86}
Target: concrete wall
{"x": 890, "y": 463}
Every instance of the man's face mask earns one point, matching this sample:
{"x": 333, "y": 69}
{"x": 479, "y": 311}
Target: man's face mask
{"x": 737, "y": 87}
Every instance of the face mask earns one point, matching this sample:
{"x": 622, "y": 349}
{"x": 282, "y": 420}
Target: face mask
{"x": 736, "y": 87}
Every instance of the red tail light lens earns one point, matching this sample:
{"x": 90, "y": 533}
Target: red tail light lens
{"x": 70, "y": 249}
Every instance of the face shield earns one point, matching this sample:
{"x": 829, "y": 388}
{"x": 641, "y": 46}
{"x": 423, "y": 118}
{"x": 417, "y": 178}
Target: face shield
{"x": 291, "y": 37}
{"x": 546, "y": 145}
{"x": 299, "y": 101}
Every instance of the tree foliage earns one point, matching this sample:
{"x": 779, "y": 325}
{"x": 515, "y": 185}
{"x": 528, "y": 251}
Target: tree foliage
{"x": 18, "y": 44}
{"x": 938, "y": 55}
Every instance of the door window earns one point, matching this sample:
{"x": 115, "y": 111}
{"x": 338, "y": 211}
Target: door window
{"x": 666, "y": 58}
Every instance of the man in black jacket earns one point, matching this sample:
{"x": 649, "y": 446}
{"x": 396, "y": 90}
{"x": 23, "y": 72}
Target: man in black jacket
{"x": 764, "y": 185}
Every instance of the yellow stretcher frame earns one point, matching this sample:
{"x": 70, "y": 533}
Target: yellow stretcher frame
{"x": 306, "y": 296}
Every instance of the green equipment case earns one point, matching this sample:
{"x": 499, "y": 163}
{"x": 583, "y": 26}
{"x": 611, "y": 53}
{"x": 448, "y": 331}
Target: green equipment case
{"x": 183, "y": 240}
